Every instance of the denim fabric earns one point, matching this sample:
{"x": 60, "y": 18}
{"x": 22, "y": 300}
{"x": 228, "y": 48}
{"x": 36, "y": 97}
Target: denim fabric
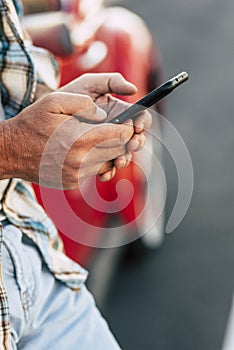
{"x": 45, "y": 313}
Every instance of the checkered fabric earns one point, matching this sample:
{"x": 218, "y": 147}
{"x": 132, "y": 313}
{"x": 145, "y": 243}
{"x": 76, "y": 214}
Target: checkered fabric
{"x": 22, "y": 66}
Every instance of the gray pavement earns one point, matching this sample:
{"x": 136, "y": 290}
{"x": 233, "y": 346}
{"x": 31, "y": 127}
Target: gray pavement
{"x": 180, "y": 296}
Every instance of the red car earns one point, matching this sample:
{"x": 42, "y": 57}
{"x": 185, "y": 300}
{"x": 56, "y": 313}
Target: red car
{"x": 86, "y": 36}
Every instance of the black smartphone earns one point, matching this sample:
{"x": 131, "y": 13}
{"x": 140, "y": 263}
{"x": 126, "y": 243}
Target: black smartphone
{"x": 153, "y": 97}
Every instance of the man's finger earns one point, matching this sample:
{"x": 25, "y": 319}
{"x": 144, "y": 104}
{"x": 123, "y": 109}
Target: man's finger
{"x": 110, "y": 135}
{"x": 107, "y": 166}
{"x": 102, "y": 155}
{"x": 75, "y": 105}
{"x": 143, "y": 122}
{"x": 123, "y": 161}
{"x": 136, "y": 143}
{"x": 108, "y": 175}
{"x": 108, "y": 83}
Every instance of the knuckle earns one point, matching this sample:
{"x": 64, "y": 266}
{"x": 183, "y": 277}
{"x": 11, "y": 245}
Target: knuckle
{"x": 117, "y": 75}
{"x": 79, "y": 163}
{"x": 122, "y": 135}
{"x": 73, "y": 162}
{"x": 88, "y": 102}
{"x": 52, "y": 99}
{"x": 70, "y": 180}
{"x": 126, "y": 134}
{"x": 123, "y": 138}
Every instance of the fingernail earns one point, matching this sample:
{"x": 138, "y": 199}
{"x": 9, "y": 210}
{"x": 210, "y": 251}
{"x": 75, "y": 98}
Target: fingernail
{"x": 129, "y": 157}
{"x": 132, "y": 85}
{"x": 101, "y": 114}
{"x": 140, "y": 126}
{"x": 124, "y": 163}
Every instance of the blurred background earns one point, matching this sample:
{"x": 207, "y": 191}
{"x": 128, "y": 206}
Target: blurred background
{"x": 180, "y": 296}
{"x": 177, "y": 296}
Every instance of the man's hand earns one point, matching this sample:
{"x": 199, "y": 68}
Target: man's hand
{"x": 99, "y": 87}
{"x": 47, "y": 144}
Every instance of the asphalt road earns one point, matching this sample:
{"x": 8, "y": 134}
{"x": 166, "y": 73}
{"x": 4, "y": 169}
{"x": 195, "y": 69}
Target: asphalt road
{"x": 179, "y": 297}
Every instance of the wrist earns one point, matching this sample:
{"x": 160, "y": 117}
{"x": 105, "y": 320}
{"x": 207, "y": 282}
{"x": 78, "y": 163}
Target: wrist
{"x": 4, "y": 164}
{"x": 9, "y": 144}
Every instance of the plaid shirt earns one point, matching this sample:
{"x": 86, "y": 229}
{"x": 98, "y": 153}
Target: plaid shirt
{"x": 21, "y": 67}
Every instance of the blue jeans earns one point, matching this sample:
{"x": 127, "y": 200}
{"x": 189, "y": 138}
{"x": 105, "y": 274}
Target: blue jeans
{"x": 45, "y": 314}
